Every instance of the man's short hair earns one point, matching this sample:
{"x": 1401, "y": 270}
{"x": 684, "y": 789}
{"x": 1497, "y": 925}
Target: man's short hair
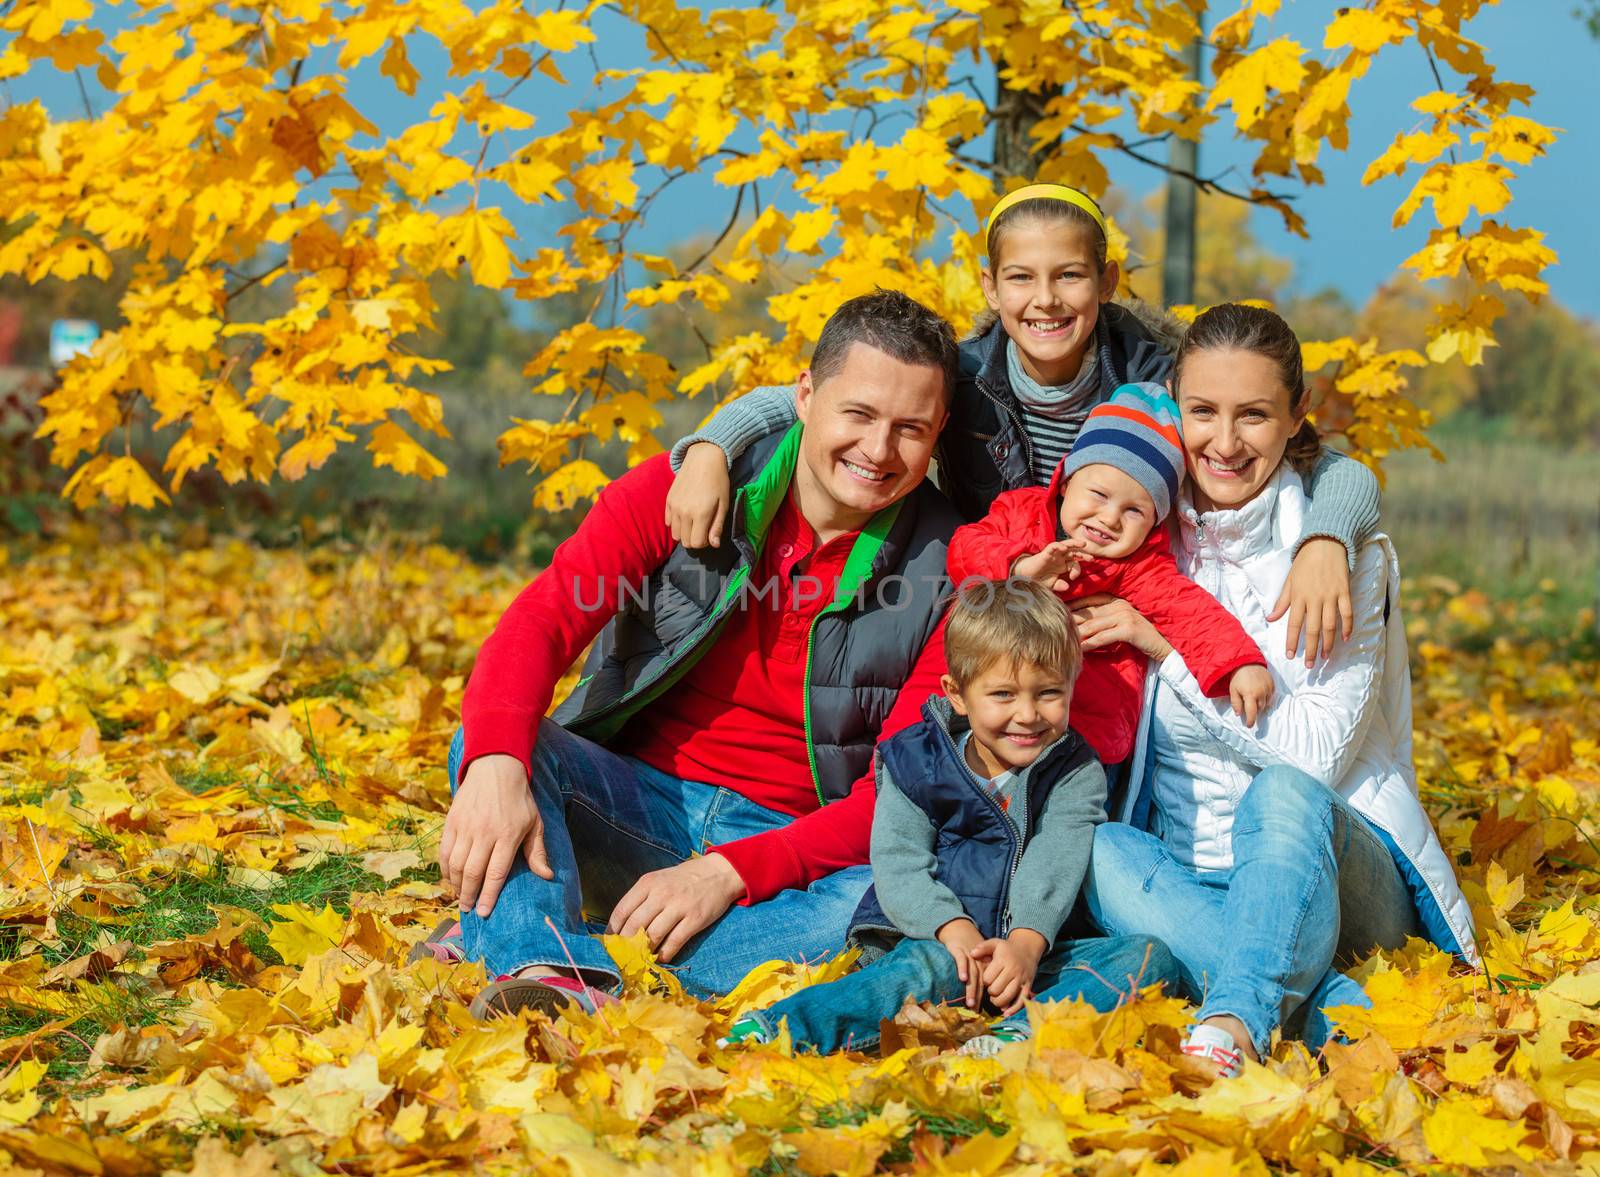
{"x": 895, "y": 324}
{"x": 1017, "y": 621}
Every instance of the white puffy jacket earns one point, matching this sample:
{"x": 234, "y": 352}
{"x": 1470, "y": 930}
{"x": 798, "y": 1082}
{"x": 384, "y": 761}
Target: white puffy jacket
{"x": 1346, "y": 721}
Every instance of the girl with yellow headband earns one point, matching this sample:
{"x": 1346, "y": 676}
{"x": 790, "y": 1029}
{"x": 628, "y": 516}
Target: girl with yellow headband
{"x": 1053, "y": 347}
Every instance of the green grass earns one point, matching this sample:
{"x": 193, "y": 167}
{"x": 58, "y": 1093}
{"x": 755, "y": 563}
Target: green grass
{"x": 181, "y": 906}
{"x": 1510, "y": 518}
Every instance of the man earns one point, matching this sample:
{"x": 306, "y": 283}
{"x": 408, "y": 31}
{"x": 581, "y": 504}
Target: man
{"x": 710, "y": 782}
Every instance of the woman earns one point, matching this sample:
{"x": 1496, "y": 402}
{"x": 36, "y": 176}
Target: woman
{"x": 1265, "y": 854}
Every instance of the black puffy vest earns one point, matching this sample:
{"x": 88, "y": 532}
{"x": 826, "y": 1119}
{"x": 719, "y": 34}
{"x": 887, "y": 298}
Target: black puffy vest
{"x": 976, "y": 848}
{"x": 862, "y": 647}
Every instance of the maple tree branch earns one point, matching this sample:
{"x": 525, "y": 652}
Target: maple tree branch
{"x": 83, "y": 92}
{"x": 1204, "y": 183}
{"x": 1438, "y": 81}
{"x": 733, "y": 219}
{"x": 252, "y": 282}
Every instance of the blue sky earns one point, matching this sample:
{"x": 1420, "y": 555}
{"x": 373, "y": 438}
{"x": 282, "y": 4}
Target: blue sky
{"x": 1351, "y": 248}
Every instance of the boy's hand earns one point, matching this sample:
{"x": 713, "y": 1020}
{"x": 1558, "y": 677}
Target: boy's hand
{"x": 1317, "y": 598}
{"x": 1009, "y": 967}
{"x": 1250, "y": 690}
{"x": 1056, "y": 566}
{"x": 698, "y": 501}
{"x": 960, "y": 937}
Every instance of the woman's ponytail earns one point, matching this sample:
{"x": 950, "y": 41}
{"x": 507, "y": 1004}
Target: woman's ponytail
{"x": 1304, "y": 448}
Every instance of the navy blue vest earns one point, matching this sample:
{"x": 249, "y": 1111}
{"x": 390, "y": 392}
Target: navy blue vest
{"x": 976, "y": 847}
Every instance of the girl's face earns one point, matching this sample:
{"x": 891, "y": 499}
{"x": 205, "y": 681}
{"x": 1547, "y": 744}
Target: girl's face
{"x": 1236, "y": 424}
{"x": 1047, "y": 290}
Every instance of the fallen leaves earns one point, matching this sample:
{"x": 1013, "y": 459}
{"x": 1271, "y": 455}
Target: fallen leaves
{"x": 223, "y": 788}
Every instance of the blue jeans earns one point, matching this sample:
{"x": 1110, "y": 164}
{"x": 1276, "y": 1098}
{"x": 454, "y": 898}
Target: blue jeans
{"x": 846, "y": 1012}
{"x": 1311, "y": 884}
{"x": 609, "y": 819}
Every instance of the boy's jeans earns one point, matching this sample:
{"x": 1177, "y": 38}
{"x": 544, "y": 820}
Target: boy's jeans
{"x": 846, "y": 1012}
{"x": 609, "y": 819}
{"x": 1311, "y": 884}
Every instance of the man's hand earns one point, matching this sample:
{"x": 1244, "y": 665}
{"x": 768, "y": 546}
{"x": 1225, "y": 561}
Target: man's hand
{"x": 1009, "y": 967}
{"x": 491, "y": 819}
{"x": 1250, "y": 690}
{"x": 1055, "y": 565}
{"x": 677, "y": 904}
{"x": 1317, "y": 598}
{"x": 698, "y": 501}
{"x": 960, "y": 937}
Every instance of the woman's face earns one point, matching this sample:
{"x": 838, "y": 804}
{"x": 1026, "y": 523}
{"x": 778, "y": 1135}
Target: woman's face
{"x": 1236, "y": 424}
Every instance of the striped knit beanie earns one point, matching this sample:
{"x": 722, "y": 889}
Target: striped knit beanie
{"x": 1136, "y": 431}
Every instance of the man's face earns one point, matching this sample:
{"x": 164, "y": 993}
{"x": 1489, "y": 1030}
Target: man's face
{"x": 869, "y": 433}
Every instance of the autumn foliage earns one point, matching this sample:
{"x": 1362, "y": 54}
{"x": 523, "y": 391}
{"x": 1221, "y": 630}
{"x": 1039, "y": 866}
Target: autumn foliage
{"x": 840, "y": 142}
{"x": 223, "y": 791}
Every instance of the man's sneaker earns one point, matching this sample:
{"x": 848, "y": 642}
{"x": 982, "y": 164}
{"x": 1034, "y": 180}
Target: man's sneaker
{"x": 548, "y": 995}
{"x": 443, "y": 945}
{"x": 1000, "y": 1036}
{"x": 1217, "y": 1047}
{"x": 745, "y": 1032}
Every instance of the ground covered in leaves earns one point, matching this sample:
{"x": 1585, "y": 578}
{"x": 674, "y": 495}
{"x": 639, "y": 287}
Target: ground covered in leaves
{"x": 220, "y": 794}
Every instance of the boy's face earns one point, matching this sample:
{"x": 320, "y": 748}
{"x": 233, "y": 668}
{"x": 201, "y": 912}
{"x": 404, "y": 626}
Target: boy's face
{"x": 1015, "y": 712}
{"x": 1106, "y": 511}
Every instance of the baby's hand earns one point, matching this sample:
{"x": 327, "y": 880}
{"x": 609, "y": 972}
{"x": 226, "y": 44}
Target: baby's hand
{"x": 1250, "y": 691}
{"x": 698, "y": 500}
{"x": 1056, "y": 566}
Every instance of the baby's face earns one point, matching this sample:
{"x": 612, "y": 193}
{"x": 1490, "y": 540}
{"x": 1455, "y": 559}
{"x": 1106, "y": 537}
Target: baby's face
{"x": 1106, "y": 511}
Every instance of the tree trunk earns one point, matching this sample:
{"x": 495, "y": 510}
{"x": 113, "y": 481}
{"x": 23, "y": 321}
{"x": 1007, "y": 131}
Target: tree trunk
{"x": 1013, "y": 117}
{"x": 1177, "y": 266}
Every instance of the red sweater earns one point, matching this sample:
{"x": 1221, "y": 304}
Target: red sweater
{"x": 736, "y": 718}
{"x": 1109, "y": 693}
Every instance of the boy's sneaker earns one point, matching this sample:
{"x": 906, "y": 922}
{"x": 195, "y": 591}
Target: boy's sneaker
{"x": 548, "y": 995}
{"x": 443, "y": 945}
{"x": 1217, "y": 1047}
{"x": 745, "y": 1032}
{"x": 1000, "y": 1036}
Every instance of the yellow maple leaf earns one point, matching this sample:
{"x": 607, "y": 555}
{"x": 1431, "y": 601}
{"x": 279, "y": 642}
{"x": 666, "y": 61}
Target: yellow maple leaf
{"x": 391, "y": 446}
{"x": 304, "y": 933}
{"x": 1245, "y": 81}
{"x": 477, "y": 238}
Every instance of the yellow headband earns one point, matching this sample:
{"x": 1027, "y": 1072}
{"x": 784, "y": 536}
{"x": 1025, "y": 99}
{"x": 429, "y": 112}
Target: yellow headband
{"x": 1048, "y": 192}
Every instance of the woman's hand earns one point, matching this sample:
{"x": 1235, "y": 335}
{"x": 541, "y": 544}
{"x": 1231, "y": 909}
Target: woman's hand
{"x": 1104, "y": 620}
{"x": 698, "y": 500}
{"x": 1317, "y": 598}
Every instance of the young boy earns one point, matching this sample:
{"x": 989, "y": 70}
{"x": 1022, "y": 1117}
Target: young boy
{"x": 1094, "y": 530}
{"x": 985, "y": 813}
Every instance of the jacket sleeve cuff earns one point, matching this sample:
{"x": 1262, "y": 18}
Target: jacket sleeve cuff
{"x": 509, "y": 733}
{"x": 765, "y": 862}
{"x": 1346, "y": 538}
{"x": 1216, "y": 686}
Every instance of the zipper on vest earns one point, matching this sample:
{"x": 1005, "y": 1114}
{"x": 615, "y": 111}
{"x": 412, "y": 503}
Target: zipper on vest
{"x": 811, "y": 747}
{"x": 1005, "y": 819}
